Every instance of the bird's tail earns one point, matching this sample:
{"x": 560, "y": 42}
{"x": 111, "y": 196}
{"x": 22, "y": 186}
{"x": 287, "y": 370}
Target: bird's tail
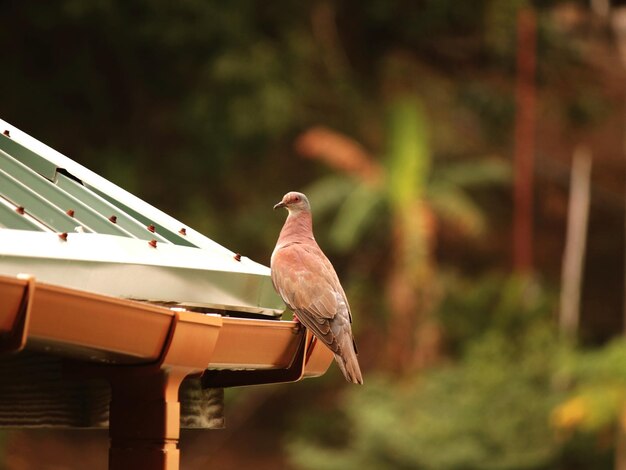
{"x": 347, "y": 360}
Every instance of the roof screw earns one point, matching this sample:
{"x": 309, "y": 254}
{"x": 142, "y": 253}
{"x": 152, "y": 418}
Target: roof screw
{"x": 70, "y": 212}
{"x": 113, "y": 219}
{"x": 7, "y": 133}
{"x": 152, "y": 243}
{"x": 20, "y": 210}
{"x": 237, "y": 257}
{"x": 63, "y": 236}
{"x": 183, "y": 231}
{"x": 151, "y": 228}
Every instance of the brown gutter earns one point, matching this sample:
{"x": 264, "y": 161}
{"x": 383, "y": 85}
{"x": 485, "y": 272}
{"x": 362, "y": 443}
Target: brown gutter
{"x": 93, "y": 327}
{"x": 147, "y": 351}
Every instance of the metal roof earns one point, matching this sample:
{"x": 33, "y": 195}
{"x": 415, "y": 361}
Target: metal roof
{"x": 68, "y": 226}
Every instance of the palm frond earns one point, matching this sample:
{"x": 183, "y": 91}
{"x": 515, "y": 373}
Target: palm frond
{"x": 355, "y": 216}
{"x": 469, "y": 174}
{"x": 327, "y": 194}
{"x": 453, "y": 205}
{"x": 408, "y": 158}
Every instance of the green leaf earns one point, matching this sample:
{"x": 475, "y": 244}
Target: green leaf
{"x": 456, "y": 207}
{"x": 355, "y": 216}
{"x": 475, "y": 173}
{"x": 409, "y": 159}
{"x": 328, "y": 193}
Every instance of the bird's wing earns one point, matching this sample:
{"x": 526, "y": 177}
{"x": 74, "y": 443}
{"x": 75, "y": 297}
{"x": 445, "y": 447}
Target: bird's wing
{"x": 307, "y": 282}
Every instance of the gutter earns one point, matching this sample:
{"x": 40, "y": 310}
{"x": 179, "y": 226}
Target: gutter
{"x": 145, "y": 351}
{"x": 92, "y": 327}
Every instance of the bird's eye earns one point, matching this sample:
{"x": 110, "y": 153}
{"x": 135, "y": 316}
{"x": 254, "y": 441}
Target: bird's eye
{"x": 297, "y": 198}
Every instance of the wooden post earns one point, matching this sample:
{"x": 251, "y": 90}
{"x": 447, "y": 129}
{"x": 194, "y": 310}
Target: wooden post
{"x": 575, "y": 242}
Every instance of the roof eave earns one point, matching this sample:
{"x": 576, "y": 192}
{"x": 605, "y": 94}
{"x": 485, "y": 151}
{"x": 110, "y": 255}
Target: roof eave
{"x": 133, "y": 269}
{"x": 96, "y": 328}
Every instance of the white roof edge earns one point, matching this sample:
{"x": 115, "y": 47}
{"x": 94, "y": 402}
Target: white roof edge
{"x": 115, "y": 249}
{"x": 131, "y": 268}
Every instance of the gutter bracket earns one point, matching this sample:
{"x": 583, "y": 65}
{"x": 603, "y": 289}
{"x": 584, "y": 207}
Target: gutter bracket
{"x": 238, "y": 378}
{"x": 15, "y": 340}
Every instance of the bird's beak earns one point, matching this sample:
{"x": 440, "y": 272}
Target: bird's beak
{"x": 279, "y": 205}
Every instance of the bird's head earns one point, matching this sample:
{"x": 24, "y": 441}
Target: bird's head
{"x": 294, "y": 202}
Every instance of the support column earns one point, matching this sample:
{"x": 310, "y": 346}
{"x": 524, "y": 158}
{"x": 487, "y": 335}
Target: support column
{"x": 144, "y": 416}
{"x": 145, "y": 420}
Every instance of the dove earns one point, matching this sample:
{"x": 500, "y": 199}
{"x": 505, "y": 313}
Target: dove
{"x": 307, "y": 282}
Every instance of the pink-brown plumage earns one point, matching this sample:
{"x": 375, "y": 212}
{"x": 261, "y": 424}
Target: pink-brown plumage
{"x": 308, "y": 283}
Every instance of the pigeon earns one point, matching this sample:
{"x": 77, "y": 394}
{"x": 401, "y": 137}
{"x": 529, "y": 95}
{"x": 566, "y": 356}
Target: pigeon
{"x": 307, "y": 282}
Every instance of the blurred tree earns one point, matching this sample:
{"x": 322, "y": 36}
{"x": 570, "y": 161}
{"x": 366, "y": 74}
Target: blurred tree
{"x": 525, "y": 132}
{"x": 488, "y": 411}
{"x": 404, "y": 183}
{"x": 595, "y": 403}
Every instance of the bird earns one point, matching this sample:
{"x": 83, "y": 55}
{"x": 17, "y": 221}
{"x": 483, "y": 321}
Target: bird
{"x": 307, "y": 282}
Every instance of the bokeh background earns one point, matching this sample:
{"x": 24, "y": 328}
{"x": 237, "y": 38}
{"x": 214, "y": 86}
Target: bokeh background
{"x": 451, "y": 150}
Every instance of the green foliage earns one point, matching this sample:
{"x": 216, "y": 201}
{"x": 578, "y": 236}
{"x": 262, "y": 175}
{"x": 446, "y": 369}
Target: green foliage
{"x": 358, "y": 212}
{"x": 490, "y": 410}
{"x": 604, "y": 364}
{"x": 448, "y": 191}
{"x": 474, "y": 173}
{"x": 494, "y": 302}
{"x": 409, "y": 157}
{"x": 409, "y": 176}
{"x": 501, "y": 22}
{"x": 455, "y": 207}
{"x": 596, "y": 397}
{"x": 329, "y": 192}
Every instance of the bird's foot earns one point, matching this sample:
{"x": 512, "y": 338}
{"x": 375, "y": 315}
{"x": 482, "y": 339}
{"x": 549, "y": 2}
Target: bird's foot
{"x": 298, "y": 324}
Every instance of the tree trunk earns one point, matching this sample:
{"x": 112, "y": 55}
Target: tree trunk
{"x": 524, "y": 140}
{"x": 575, "y": 242}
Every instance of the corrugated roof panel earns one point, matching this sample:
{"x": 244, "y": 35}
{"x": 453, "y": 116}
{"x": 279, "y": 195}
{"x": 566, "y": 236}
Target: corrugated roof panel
{"x": 36, "y": 205}
{"x": 83, "y": 215}
{"x": 130, "y": 222}
{"x": 29, "y": 158}
{"x": 9, "y": 218}
{"x": 159, "y": 229}
{"x": 114, "y": 192}
{"x": 106, "y": 209}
